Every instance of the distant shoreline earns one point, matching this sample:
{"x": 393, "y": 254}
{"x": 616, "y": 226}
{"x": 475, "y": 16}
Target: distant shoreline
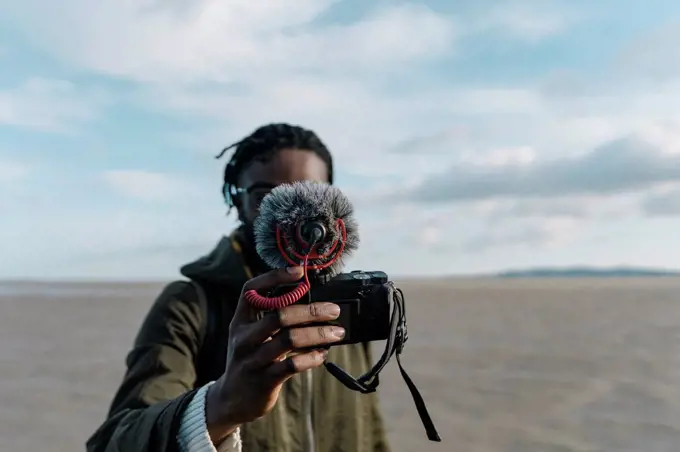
{"x": 588, "y": 272}
{"x": 529, "y": 273}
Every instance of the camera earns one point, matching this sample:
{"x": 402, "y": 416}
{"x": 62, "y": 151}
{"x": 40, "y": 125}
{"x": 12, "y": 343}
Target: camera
{"x": 364, "y": 299}
{"x": 310, "y": 224}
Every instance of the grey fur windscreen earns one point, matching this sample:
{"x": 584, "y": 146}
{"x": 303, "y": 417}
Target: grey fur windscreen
{"x": 288, "y": 205}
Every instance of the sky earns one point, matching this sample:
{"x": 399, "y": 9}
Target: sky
{"x": 470, "y": 136}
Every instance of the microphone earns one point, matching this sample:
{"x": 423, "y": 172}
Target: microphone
{"x": 308, "y": 224}
{"x": 306, "y": 220}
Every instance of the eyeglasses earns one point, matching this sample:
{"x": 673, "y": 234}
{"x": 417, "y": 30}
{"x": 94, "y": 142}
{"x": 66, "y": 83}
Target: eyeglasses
{"x": 256, "y": 191}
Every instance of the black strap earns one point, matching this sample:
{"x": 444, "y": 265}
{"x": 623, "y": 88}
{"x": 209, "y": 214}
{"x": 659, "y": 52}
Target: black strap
{"x": 369, "y": 382}
{"x": 430, "y": 429}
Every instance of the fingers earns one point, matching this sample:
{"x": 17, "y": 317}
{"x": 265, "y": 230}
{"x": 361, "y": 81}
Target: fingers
{"x": 281, "y": 371}
{"x": 300, "y": 314}
{"x": 296, "y": 338}
{"x": 295, "y": 315}
{"x": 263, "y": 282}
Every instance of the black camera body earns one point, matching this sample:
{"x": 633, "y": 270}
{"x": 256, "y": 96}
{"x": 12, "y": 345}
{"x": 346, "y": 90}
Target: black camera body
{"x": 364, "y": 299}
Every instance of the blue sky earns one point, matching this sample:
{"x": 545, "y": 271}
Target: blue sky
{"x": 471, "y": 138}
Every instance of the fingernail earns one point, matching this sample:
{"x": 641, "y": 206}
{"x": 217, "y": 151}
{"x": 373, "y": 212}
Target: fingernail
{"x": 296, "y": 271}
{"x": 324, "y": 355}
{"x": 338, "y": 332}
{"x": 333, "y": 310}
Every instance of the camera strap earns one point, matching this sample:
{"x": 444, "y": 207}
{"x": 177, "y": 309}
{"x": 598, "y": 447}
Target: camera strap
{"x": 369, "y": 382}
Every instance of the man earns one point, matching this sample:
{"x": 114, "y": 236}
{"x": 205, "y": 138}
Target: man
{"x": 206, "y": 374}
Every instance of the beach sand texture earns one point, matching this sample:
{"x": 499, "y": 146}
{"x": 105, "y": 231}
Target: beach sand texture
{"x": 504, "y": 365}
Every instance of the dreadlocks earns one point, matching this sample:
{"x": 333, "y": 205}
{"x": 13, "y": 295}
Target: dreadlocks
{"x": 262, "y": 144}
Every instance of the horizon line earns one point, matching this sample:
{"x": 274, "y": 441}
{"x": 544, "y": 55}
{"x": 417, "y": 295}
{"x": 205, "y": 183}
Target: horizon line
{"x": 537, "y": 271}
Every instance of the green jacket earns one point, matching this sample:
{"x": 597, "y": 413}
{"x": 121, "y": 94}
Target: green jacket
{"x": 179, "y": 348}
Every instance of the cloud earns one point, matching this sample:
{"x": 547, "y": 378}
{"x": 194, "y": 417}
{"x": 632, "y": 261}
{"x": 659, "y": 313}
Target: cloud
{"x": 241, "y": 42}
{"x": 139, "y": 242}
{"x": 662, "y": 204}
{"x": 11, "y": 172}
{"x": 235, "y": 64}
{"x": 418, "y": 235}
{"x": 577, "y": 207}
{"x": 49, "y": 105}
{"x": 623, "y": 165}
{"x": 13, "y": 186}
{"x": 653, "y": 55}
{"x": 352, "y": 118}
{"x": 144, "y": 185}
{"x": 226, "y": 41}
{"x": 522, "y": 234}
{"x": 527, "y": 21}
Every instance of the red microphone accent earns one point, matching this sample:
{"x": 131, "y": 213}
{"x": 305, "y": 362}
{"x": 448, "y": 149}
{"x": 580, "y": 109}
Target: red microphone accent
{"x": 287, "y": 299}
{"x": 282, "y": 244}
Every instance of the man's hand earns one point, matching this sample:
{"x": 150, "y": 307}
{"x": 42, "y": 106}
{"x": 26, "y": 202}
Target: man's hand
{"x": 257, "y": 364}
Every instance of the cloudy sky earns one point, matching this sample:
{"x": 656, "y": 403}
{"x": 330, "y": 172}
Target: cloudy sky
{"x": 499, "y": 134}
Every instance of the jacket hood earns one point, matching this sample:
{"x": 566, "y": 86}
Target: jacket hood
{"x": 225, "y": 264}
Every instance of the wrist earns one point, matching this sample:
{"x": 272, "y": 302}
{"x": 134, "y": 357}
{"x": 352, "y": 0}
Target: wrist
{"x": 219, "y": 418}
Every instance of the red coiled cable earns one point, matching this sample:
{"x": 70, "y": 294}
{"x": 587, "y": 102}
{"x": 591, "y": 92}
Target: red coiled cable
{"x": 265, "y": 303}
{"x": 268, "y": 303}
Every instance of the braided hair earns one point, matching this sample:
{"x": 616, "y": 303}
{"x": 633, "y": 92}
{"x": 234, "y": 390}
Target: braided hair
{"x": 262, "y": 145}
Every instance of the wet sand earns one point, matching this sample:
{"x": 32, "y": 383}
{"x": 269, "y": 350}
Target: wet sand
{"x": 504, "y": 365}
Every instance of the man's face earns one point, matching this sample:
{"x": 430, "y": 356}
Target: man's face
{"x": 286, "y": 166}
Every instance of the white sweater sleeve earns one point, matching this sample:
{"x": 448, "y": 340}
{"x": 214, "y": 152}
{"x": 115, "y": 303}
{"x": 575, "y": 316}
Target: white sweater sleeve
{"x": 193, "y": 433}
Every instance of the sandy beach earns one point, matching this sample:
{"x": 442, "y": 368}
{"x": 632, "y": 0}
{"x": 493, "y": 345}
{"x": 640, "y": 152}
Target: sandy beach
{"x": 505, "y": 365}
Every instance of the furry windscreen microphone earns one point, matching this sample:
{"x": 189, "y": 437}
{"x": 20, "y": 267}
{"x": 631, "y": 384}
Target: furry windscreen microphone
{"x": 306, "y": 223}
